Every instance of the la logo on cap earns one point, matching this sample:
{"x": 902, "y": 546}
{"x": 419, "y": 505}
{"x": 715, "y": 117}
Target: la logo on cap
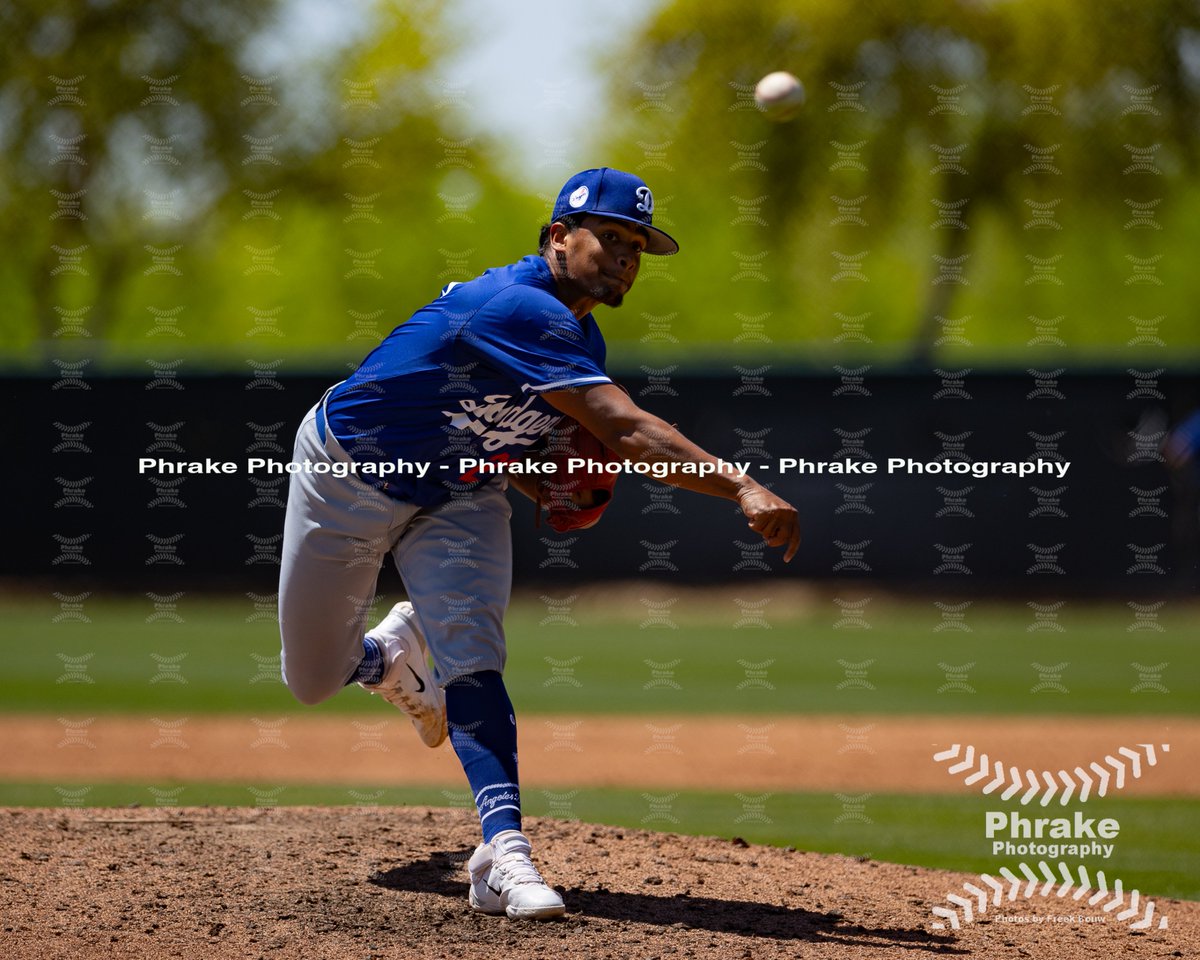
{"x": 579, "y": 197}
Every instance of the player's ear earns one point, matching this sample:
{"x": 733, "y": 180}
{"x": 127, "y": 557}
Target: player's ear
{"x": 558, "y": 235}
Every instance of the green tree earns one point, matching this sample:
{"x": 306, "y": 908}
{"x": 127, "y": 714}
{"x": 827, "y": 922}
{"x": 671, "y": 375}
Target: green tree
{"x": 253, "y": 184}
{"x": 87, "y": 88}
{"x": 981, "y": 134}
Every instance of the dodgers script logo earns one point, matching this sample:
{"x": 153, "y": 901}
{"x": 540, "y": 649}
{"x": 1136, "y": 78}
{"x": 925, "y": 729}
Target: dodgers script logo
{"x": 647, "y": 200}
{"x": 501, "y": 422}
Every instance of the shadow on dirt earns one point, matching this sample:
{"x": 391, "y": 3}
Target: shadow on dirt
{"x": 444, "y": 874}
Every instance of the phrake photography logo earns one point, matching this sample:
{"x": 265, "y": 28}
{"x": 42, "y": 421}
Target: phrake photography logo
{"x": 1049, "y": 842}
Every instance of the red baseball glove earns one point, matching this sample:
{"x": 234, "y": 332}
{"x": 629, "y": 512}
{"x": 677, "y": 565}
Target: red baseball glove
{"x": 575, "y": 499}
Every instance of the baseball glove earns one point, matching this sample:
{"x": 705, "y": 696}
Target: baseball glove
{"x": 575, "y": 499}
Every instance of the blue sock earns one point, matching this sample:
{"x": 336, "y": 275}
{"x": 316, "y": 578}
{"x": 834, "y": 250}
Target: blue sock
{"x": 370, "y": 667}
{"x": 483, "y": 731}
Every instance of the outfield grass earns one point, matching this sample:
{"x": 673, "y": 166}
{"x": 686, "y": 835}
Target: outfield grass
{"x": 1156, "y": 852}
{"x": 219, "y": 659}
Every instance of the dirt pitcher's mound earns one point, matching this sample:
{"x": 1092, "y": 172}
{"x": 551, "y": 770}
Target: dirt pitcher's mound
{"x": 389, "y": 882}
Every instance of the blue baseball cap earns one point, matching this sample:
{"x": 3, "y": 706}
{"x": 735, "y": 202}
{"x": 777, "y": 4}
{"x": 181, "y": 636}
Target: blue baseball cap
{"x": 605, "y": 192}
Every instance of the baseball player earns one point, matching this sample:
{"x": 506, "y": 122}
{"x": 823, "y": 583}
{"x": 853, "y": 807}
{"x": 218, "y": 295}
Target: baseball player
{"x": 482, "y": 373}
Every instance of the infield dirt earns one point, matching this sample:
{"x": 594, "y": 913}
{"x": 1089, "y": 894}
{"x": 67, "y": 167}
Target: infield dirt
{"x": 376, "y": 882}
{"x": 367, "y": 882}
{"x": 787, "y": 752}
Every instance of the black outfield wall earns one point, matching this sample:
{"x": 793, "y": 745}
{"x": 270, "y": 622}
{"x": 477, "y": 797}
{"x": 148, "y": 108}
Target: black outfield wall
{"x": 80, "y": 513}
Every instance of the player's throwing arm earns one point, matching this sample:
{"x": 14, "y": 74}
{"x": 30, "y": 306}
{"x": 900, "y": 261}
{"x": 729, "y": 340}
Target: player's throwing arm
{"x": 634, "y": 434}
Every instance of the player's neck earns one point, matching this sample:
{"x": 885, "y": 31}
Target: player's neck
{"x": 569, "y": 291}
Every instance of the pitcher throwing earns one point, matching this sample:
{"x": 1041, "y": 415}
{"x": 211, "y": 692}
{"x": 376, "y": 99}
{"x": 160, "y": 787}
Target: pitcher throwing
{"x": 485, "y": 371}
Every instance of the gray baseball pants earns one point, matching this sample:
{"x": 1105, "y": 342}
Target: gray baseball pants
{"x": 455, "y": 561}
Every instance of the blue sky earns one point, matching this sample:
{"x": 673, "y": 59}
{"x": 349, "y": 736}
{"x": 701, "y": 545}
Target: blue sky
{"x": 533, "y": 69}
{"x": 532, "y": 73}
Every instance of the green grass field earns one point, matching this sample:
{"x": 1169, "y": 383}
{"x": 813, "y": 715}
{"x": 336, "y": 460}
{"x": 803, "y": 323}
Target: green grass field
{"x": 122, "y": 660}
{"x": 216, "y": 661}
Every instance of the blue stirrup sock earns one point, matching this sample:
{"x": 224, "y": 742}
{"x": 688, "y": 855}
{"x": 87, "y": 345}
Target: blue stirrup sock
{"x": 483, "y": 731}
{"x": 370, "y": 667}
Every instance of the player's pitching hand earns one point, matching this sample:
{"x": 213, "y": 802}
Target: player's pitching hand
{"x": 772, "y": 518}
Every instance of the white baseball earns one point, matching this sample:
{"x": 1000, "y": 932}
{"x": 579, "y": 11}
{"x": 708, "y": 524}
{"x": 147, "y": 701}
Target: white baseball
{"x": 779, "y": 95}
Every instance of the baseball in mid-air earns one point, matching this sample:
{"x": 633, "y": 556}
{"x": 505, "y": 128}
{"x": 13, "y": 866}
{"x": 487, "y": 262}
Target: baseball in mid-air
{"x": 779, "y": 95}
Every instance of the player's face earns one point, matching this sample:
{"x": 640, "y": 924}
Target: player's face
{"x": 603, "y": 257}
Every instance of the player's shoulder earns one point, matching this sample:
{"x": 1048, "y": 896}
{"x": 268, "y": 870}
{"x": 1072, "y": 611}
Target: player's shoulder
{"x": 524, "y": 292}
{"x": 529, "y": 278}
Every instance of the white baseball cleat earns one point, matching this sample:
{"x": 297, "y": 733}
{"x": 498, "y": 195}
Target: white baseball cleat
{"x": 505, "y": 881}
{"x": 407, "y": 680}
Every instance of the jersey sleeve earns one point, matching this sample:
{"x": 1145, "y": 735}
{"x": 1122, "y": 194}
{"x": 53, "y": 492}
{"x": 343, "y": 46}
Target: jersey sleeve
{"x": 534, "y": 340}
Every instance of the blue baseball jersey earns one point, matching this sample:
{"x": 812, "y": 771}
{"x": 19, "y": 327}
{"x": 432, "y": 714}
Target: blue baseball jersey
{"x": 464, "y": 377}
